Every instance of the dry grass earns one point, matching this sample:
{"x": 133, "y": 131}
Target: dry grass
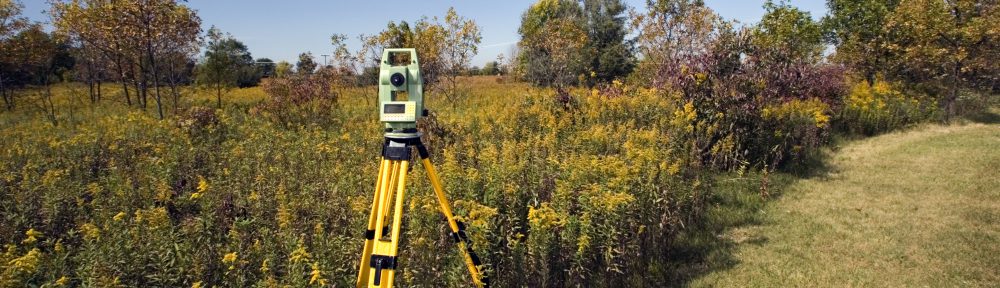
{"x": 914, "y": 208}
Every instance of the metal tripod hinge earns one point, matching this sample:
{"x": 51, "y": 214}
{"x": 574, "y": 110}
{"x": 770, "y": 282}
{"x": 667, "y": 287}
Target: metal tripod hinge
{"x": 379, "y": 257}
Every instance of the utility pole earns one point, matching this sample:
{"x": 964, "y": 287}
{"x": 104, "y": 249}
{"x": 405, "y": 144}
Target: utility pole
{"x": 324, "y": 60}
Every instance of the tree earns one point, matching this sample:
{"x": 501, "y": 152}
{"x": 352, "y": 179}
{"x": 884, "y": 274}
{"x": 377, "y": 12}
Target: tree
{"x": 163, "y": 27}
{"x": 91, "y": 69}
{"x": 180, "y": 68}
{"x": 95, "y": 25}
{"x": 672, "y": 33}
{"x": 226, "y": 60}
{"x": 553, "y": 38}
{"x": 461, "y": 42}
{"x": 266, "y": 67}
{"x": 856, "y": 29}
{"x": 306, "y": 64}
{"x": 38, "y": 58}
{"x": 610, "y": 55}
{"x": 951, "y": 44}
{"x": 282, "y": 69}
{"x": 428, "y": 36}
{"x": 491, "y": 68}
{"x": 11, "y": 22}
{"x": 790, "y": 32}
{"x": 137, "y": 36}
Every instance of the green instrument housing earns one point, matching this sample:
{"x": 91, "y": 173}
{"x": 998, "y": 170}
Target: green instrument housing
{"x": 400, "y": 90}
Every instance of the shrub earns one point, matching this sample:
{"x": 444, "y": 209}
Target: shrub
{"x": 299, "y": 99}
{"x": 872, "y": 109}
{"x": 795, "y": 129}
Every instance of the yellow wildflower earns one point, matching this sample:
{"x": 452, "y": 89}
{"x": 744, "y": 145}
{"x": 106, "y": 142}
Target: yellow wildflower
{"x": 544, "y": 216}
{"x": 674, "y": 169}
{"x": 119, "y": 216}
{"x": 264, "y": 268}
{"x": 202, "y": 187}
{"x": 299, "y": 254}
{"x": 229, "y": 258}
{"x": 27, "y": 263}
{"x": 820, "y": 118}
{"x": 63, "y": 281}
{"x": 196, "y": 284}
{"x": 316, "y": 275}
{"x": 32, "y": 236}
{"x": 93, "y": 188}
{"x": 284, "y": 217}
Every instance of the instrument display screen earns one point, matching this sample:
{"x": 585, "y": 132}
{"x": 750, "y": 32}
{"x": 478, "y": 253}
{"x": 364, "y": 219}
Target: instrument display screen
{"x": 394, "y": 108}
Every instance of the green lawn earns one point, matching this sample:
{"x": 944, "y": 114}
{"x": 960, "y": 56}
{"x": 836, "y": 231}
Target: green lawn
{"x": 913, "y": 208}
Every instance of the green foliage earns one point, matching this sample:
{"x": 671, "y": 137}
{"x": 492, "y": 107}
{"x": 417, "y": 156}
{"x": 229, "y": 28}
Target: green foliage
{"x": 856, "y": 29}
{"x": 947, "y": 46}
{"x": 227, "y": 63}
{"x": 282, "y": 69}
{"x": 266, "y": 66}
{"x": 553, "y": 38}
{"x": 306, "y": 65}
{"x": 491, "y": 68}
{"x": 879, "y": 108}
{"x": 444, "y": 48}
{"x": 795, "y": 129}
{"x": 788, "y": 30}
{"x": 565, "y": 42}
{"x": 610, "y": 54}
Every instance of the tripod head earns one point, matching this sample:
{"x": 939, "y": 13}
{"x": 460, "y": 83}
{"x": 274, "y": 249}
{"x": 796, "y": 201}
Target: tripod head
{"x": 400, "y": 92}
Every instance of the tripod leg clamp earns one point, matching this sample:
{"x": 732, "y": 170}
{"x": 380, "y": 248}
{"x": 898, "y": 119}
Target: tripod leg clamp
{"x": 380, "y": 262}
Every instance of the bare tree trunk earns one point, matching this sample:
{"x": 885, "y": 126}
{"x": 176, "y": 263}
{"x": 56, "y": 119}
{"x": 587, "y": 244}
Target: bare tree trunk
{"x": 173, "y": 93}
{"x": 121, "y": 71}
{"x": 142, "y": 85}
{"x": 218, "y": 94}
{"x": 9, "y": 103}
{"x": 98, "y": 90}
{"x": 173, "y": 85}
{"x": 156, "y": 79}
{"x": 953, "y": 94}
{"x": 138, "y": 94}
{"x": 93, "y": 95}
{"x": 50, "y": 108}
{"x": 8, "y": 98}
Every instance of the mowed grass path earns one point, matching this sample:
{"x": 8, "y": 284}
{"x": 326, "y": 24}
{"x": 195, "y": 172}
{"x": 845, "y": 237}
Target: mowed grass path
{"x": 913, "y": 208}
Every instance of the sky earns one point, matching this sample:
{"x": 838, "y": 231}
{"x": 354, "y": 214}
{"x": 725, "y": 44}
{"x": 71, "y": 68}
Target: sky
{"x": 280, "y": 30}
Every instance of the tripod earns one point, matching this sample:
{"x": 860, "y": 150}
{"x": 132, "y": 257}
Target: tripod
{"x": 379, "y": 259}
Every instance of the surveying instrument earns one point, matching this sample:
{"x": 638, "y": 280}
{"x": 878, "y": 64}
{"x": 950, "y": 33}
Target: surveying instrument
{"x": 401, "y": 100}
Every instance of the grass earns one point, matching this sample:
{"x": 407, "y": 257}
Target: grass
{"x": 913, "y": 208}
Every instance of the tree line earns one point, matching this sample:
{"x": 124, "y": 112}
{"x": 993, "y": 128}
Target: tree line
{"x": 151, "y": 48}
{"x": 941, "y": 48}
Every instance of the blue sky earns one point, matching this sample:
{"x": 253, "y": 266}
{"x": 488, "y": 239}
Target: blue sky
{"x": 280, "y": 30}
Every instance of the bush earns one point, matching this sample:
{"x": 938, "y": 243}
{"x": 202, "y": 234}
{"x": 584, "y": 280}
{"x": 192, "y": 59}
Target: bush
{"x": 299, "y": 99}
{"x": 872, "y": 109}
{"x": 796, "y": 128}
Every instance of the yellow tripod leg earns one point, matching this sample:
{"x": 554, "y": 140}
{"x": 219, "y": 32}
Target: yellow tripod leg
{"x": 457, "y": 230}
{"x": 384, "y": 260}
{"x": 366, "y": 255}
